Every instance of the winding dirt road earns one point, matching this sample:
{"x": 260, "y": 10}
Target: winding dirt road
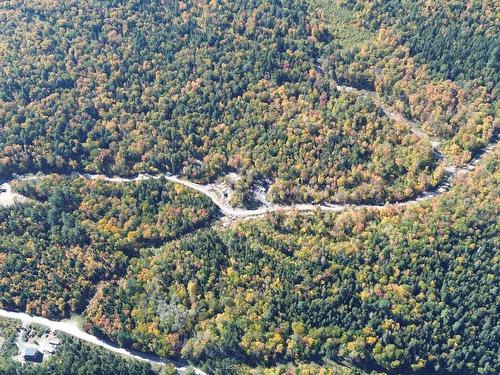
{"x": 217, "y": 195}
{"x": 214, "y": 191}
{"x": 391, "y": 113}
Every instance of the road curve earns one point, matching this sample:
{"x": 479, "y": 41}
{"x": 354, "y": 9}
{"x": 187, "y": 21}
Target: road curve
{"x": 214, "y": 192}
{"x": 71, "y": 328}
{"x": 217, "y": 195}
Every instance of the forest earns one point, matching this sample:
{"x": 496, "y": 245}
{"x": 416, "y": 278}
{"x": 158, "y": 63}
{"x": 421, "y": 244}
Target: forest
{"x": 76, "y": 233}
{"x": 437, "y": 63}
{"x": 198, "y": 89}
{"x": 408, "y": 290}
{"x": 271, "y": 90}
{"x": 464, "y": 47}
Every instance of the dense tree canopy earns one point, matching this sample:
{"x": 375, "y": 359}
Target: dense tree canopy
{"x": 54, "y": 251}
{"x": 457, "y": 39}
{"x": 307, "y": 96}
{"x": 436, "y": 62}
{"x": 409, "y": 290}
{"x": 198, "y": 88}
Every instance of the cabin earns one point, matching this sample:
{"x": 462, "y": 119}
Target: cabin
{"x": 32, "y": 354}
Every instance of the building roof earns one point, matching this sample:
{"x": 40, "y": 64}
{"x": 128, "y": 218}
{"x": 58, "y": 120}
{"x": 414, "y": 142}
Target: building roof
{"x": 30, "y": 352}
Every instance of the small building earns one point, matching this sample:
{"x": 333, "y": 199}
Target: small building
{"x": 32, "y": 354}
{"x": 54, "y": 342}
